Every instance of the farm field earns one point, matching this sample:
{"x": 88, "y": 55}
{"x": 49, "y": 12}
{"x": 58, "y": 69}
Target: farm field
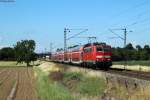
{"x": 17, "y": 84}
{"x": 6, "y": 64}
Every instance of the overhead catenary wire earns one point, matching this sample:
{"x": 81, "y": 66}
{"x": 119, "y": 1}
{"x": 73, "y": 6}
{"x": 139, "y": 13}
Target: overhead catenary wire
{"x": 131, "y": 8}
{"x": 126, "y": 11}
{"x": 77, "y": 34}
{"x": 116, "y": 34}
{"x": 138, "y": 22}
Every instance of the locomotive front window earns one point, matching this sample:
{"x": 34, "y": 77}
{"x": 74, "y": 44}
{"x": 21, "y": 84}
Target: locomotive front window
{"x": 99, "y": 49}
{"x": 88, "y": 50}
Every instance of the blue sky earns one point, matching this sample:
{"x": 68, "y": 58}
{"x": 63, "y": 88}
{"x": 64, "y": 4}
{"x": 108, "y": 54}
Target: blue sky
{"x": 44, "y": 21}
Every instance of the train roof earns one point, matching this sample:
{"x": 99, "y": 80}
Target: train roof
{"x": 95, "y": 44}
{"x": 76, "y": 48}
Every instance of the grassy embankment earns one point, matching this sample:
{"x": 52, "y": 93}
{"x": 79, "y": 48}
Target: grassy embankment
{"x": 120, "y": 92}
{"x": 142, "y": 63}
{"x": 67, "y": 86}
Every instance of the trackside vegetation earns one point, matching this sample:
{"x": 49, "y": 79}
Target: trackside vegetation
{"x": 49, "y": 90}
{"x": 90, "y": 86}
{"x": 67, "y": 86}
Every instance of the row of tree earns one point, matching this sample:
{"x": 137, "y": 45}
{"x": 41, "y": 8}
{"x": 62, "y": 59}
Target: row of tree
{"x": 131, "y": 53}
{"x": 23, "y": 51}
{"x": 7, "y": 53}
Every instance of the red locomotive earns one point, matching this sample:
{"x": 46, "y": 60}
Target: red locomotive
{"x": 96, "y": 55}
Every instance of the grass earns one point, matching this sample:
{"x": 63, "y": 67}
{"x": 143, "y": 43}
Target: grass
{"x": 142, "y": 63}
{"x": 8, "y": 63}
{"x": 91, "y": 86}
{"x": 49, "y": 90}
{"x": 72, "y": 86}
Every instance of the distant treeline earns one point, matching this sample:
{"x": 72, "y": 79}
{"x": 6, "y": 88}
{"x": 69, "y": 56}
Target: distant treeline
{"x": 131, "y": 53}
{"x": 7, "y": 53}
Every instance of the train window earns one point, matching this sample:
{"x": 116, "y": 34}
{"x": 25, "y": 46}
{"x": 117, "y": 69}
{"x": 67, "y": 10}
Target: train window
{"x": 103, "y": 49}
{"x": 88, "y": 50}
{"x": 99, "y": 49}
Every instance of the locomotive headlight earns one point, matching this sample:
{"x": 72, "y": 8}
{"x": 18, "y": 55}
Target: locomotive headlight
{"x": 99, "y": 56}
{"x": 103, "y": 57}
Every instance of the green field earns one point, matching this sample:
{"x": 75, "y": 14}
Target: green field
{"x": 142, "y": 63}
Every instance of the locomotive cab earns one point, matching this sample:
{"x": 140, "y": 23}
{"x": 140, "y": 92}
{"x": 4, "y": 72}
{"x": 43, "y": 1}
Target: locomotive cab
{"x": 97, "y": 55}
{"x": 103, "y": 56}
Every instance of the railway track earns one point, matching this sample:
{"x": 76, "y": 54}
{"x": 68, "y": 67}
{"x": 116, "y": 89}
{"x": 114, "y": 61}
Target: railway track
{"x": 129, "y": 73}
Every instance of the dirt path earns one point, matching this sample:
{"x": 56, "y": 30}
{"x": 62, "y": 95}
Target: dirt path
{"x": 24, "y": 79}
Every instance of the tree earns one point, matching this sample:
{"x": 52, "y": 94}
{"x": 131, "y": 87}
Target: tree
{"x": 129, "y": 46}
{"x": 138, "y": 47}
{"x": 24, "y": 51}
{"x": 7, "y": 53}
{"x": 147, "y": 48}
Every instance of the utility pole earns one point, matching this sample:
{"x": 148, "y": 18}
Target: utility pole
{"x": 65, "y": 39}
{"x": 45, "y": 50}
{"x": 118, "y": 36}
{"x": 51, "y": 47}
{"x": 66, "y": 31}
{"x": 124, "y": 39}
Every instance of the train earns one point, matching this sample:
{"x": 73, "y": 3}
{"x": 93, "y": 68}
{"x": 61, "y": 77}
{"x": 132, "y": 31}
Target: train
{"x": 91, "y": 55}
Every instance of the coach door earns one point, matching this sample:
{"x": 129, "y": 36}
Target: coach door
{"x": 88, "y": 55}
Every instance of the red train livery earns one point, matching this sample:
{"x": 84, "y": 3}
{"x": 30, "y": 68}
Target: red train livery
{"x": 96, "y": 55}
